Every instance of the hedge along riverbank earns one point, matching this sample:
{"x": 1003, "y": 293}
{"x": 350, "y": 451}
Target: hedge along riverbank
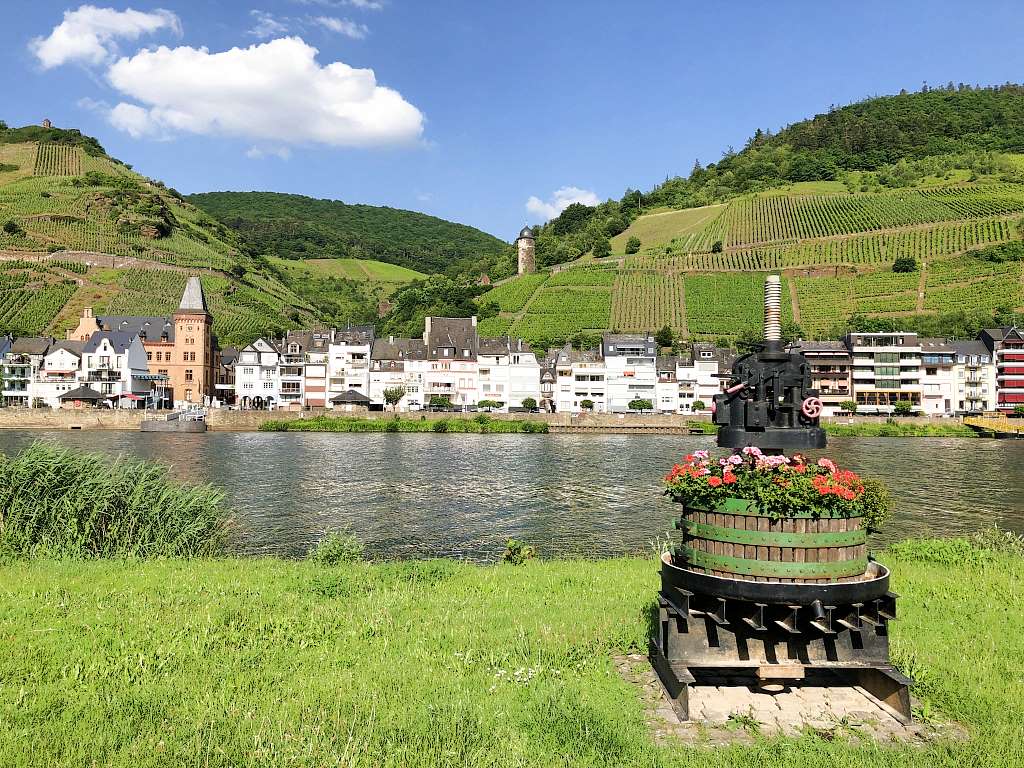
{"x": 61, "y": 502}
{"x": 264, "y": 662}
{"x": 479, "y": 424}
{"x": 897, "y": 429}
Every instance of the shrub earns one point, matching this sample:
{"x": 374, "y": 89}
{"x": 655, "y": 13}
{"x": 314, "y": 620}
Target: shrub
{"x": 517, "y": 553}
{"x": 716, "y": 247}
{"x": 633, "y": 245}
{"x": 336, "y": 548}
{"x": 529, "y": 403}
{"x": 905, "y": 264}
{"x": 11, "y": 227}
{"x": 698, "y": 405}
{"x": 587, "y": 405}
{"x": 601, "y": 248}
{"x": 849, "y": 405}
{"x": 534, "y": 427}
{"x": 441, "y": 425}
{"x": 64, "y": 503}
{"x": 902, "y": 408}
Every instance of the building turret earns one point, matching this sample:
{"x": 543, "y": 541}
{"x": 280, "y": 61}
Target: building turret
{"x": 525, "y": 246}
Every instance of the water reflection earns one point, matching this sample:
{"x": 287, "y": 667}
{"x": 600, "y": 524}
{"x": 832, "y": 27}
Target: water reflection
{"x": 415, "y": 495}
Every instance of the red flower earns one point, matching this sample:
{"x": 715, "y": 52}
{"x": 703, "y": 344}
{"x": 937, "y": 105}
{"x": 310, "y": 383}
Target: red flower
{"x": 714, "y": 481}
{"x": 728, "y": 478}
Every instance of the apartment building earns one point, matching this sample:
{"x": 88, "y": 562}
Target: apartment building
{"x": 257, "y": 381}
{"x": 975, "y": 375}
{"x": 666, "y": 388}
{"x": 396, "y": 363}
{"x": 631, "y": 369}
{"x": 886, "y": 369}
{"x": 114, "y": 365}
{"x": 831, "y": 372}
{"x": 59, "y": 373}
{"x": 579, "y": 376}
{"x": 348, "y": 360}
{"x": 1006, "y": 346}
{"x": 509, "y": 372}
{"x": 21, "y": 364}
{"x": 938, "y": 377}
{"x": 697, "y": 376}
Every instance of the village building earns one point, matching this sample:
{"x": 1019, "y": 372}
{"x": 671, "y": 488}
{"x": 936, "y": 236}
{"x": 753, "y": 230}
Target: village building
{"x": 59, "y": 373}
{"x": 938, "y": 377}
{"x": 975, "y": 374}
{"x": 257, "y": 382}
{"x": 114, "y": 364}
{"x": 886, "y": 370}
{"x": 181, "y": 347}
{"x": 630, "y": 369}
{"x": 21, "y": 364}
{"x": 1006, "y": 345}
{"x": 348, "y": 360}
{"x": 831, "y": 367}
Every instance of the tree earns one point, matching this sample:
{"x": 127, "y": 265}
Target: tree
{"x": 440, "y": 401}
{"x": 11, "y": 227}
{"x": 905, "y": 264}
{"x": 716, "y": 247}
{"x": 587, "y": 405}
{"x": 902, "y": 408}
{"x": 394, "y": 395}
{"x": 1018, "y": 410}
{"x": 489, "y": 405}
{"x": 698, "y": 405}
{"x": 601, "y": 248}
{"x": 633, "y": 245}
{"x": 665, "y": 337}
{"x": 641, "y": 404}
{"x": 529, "y": 403}
{"x": 849, "y": 405}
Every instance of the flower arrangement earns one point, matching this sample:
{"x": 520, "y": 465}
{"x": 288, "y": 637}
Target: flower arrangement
{"x": 783, "y": 486}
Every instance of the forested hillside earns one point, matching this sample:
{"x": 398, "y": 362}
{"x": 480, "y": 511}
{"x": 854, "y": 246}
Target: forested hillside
{"x": 297, "y": 227}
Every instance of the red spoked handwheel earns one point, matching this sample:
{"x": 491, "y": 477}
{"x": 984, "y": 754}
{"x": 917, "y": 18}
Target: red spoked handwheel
{"x": 812, "y": 407}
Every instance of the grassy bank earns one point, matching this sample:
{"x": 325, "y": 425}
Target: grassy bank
{"x": 896, "y": 428}
{"x": 479, "y": 424}
{"x": 62, "y": 502}
{"x": 271, "y": 663}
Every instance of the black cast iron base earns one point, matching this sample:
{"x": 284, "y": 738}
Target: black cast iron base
{"x": 776, "y": 632}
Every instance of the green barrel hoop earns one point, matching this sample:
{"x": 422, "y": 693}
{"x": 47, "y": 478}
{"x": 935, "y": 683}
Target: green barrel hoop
{"x": 774, "y": 568}
{"x": 750, "y": 509}
{"x": 775, "y": 538}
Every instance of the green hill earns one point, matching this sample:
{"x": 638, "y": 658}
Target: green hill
{"x": 78, "y": 228}
{"x": 297, "y": 227}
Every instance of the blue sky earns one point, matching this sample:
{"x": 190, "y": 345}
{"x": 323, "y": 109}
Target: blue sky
{"x": 472, "y": 108}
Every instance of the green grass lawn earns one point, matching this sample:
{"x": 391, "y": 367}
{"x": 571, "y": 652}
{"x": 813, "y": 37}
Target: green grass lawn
{"x": 661, "y": 228}
{"x": 351, "y": 269}
{"x": 248, "y": 662}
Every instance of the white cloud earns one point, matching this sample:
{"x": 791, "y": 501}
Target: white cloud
{"x": 267, "y": 25}
{"x": 560, "y": 200}
{"x": 343, "y": 27}
{"x": 362, "y": 5}
{"x": 258, "y": 153}
{"x": 89, "y": 34}
{"x": 272, "y": 92}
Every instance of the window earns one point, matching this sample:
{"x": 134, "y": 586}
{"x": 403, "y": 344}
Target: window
{"x": 247, "y": 371}
{"x": 188, "y": 395}
{"x": 188, "y": 374}
{"x": 149, "y": 356}
{"x": 465, "y": 353}
{"x": 931, "y": 371}
{"x": 268, "y": 385}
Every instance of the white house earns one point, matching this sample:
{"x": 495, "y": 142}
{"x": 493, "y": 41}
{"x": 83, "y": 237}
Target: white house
{"x": 390, "y": 369}
{"x": 630, "y": 362}
{"x": 114, "y": 364}
{"x": 666, "y": 389}
{"x": 21, "y": 363}
{"x": 508, "y": 372}
{"x": 975, "y": 375}
{"x": 257, "y": 381}
{"x": 348, "y": 360}
{"x": 60, "y": 372}
{"x": 579, "y": 376}
{"x": 938, "y": 377}
{"x": 697, "y": 376}
{"x": 449, "y": 368}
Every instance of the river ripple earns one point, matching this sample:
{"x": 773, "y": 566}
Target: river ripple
{"x": 417, "y": 495}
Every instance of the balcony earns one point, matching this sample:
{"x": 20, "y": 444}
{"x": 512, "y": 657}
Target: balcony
{"x": 103, "y": 375}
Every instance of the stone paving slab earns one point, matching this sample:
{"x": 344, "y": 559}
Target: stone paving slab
{"x": 730, "y": 710}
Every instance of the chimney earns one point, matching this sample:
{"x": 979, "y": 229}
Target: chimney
{"x": 391, "y": 339}
{"x": 474, "y": 321}
{"x": 87, "y": 312}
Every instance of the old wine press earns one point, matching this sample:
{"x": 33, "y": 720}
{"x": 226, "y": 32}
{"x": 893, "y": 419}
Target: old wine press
{"x": 784, "y": 599}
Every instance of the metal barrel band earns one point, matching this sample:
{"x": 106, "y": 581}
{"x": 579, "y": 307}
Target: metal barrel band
{"x": 775, "y": 538}
{"x": 775, "y": 568}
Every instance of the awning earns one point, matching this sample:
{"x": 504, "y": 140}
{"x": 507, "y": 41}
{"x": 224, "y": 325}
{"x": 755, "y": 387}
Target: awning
{"x": 127, "y": 396}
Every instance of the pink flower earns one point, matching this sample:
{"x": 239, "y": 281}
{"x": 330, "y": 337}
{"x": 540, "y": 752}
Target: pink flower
{"x": 735, "y": 460}
{"x": 827, "y": 464}
{"x": 752, "y": 450}
{"x": 702, "y": 455}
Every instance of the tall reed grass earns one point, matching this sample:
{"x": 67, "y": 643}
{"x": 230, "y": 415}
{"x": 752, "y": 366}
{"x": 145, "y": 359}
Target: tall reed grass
{"x": 59, "y": 502}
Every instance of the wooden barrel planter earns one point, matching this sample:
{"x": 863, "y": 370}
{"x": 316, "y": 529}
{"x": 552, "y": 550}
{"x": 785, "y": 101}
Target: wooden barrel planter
{"x": 737, "y": 540}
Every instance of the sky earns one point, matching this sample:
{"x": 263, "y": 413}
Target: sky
{"x": 493, "y": 114}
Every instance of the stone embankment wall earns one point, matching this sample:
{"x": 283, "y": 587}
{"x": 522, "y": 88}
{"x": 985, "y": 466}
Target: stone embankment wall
{"x": 248, "y": 421}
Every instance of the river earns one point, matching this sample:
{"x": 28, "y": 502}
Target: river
{"x": 419, "y": 495}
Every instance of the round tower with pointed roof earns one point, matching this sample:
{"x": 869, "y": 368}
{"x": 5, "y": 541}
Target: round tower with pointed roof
{"x": 191, "y": 370}
{"x": 525, "y": 246}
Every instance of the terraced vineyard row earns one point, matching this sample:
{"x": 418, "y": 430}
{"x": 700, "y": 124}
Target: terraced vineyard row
{"x": 770, "y": 218}
{"x": 883, "y": 248}
{"x": 645, "y": 301}
{"x": 953, "y": 285}
{"x": 513, "y": 295}
{"x": 725, "y": 305}
{"x": 28, "y": 311}
{"x": 58, "y": 160}
{"x": 826, "y": 302}
{"x": 558, "y": 313}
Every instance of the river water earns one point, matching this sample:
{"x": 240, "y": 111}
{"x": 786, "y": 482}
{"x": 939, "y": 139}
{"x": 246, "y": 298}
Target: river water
{"x": 419, "y": 495}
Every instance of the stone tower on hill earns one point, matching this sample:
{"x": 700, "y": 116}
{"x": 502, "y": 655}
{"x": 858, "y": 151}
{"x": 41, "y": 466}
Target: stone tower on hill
{"x": 527, "y": 256}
